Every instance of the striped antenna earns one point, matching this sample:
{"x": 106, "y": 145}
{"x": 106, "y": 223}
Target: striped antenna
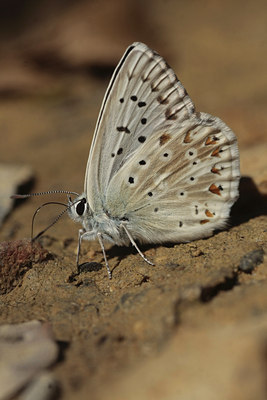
{"x": 53, "y": 223}
{"x": 24, "y": 196}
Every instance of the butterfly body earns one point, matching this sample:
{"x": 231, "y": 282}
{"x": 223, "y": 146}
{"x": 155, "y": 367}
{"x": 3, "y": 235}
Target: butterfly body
{"x": 158, "y": 171}
{"x": 95, "y": 223}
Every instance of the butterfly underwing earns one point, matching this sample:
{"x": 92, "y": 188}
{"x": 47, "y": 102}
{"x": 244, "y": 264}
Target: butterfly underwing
{"x": 158, "y": 171}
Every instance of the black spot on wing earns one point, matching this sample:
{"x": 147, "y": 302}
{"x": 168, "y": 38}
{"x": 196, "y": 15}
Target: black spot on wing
{"x": 123, "y": 129}
{"x": 141, "y": 104}
{"x": 142, "y": 139}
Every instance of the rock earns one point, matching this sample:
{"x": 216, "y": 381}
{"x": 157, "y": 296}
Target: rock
{"x": 25, "y": 350}
{"x": 251, "y": 260}
{"x": 16, "y": 257}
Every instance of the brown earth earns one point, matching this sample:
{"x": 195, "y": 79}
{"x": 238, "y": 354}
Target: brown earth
{"x": 194, "y": 326}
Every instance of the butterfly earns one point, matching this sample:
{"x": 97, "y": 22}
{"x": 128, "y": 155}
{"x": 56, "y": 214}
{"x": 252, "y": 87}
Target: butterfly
{"x": 158, "y": 171}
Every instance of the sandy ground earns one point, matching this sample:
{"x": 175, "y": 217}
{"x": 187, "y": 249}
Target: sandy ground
{"x": 194, "y": 326}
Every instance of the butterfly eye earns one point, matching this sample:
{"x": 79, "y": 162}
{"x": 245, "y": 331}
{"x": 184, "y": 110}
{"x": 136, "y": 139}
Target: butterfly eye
{"x": 80, "y": 207}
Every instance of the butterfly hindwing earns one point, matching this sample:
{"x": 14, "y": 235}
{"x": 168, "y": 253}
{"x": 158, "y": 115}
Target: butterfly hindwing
{"x": 181, "y": 184}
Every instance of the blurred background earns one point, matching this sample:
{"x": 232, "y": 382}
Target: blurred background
{"x": 57, "y": 57}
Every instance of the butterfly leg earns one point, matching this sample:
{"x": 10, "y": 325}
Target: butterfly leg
{"x": 80, "y": 236}
{"x": 135, "y": 245}
{"x": 99, "y": 236}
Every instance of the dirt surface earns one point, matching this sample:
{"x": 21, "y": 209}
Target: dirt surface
{"x": 194, "y": 326}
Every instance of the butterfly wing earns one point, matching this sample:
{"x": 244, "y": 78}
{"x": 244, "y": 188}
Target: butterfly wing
{"x": 144, "y": 96}
{"x": 170, "y": 172}
{"x": 181, "y": 184}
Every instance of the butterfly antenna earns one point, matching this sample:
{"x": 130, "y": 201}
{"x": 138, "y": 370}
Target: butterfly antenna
{"x": 24, "y": 196}
{"x": 53, "y": 223}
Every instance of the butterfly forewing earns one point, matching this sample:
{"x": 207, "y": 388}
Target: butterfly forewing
{"x": 143, "y": 96}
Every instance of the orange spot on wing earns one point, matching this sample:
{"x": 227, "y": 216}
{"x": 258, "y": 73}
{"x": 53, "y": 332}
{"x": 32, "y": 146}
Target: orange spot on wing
{"x": 208, "y": 213}
{"x": 214, "y": 189}
{"x": 211, "y": 140}
{"x": 204, "y": 221}
{"x": 164, "y": 139}
{"x": 187, "y": 138}
{"x": 215, "y": 171}
{"x": 215, "y": 152}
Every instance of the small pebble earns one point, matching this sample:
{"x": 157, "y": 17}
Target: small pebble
{"x": 250, "y": 260}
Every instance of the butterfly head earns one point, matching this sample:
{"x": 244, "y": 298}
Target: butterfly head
{"x": 78, "y": 208}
